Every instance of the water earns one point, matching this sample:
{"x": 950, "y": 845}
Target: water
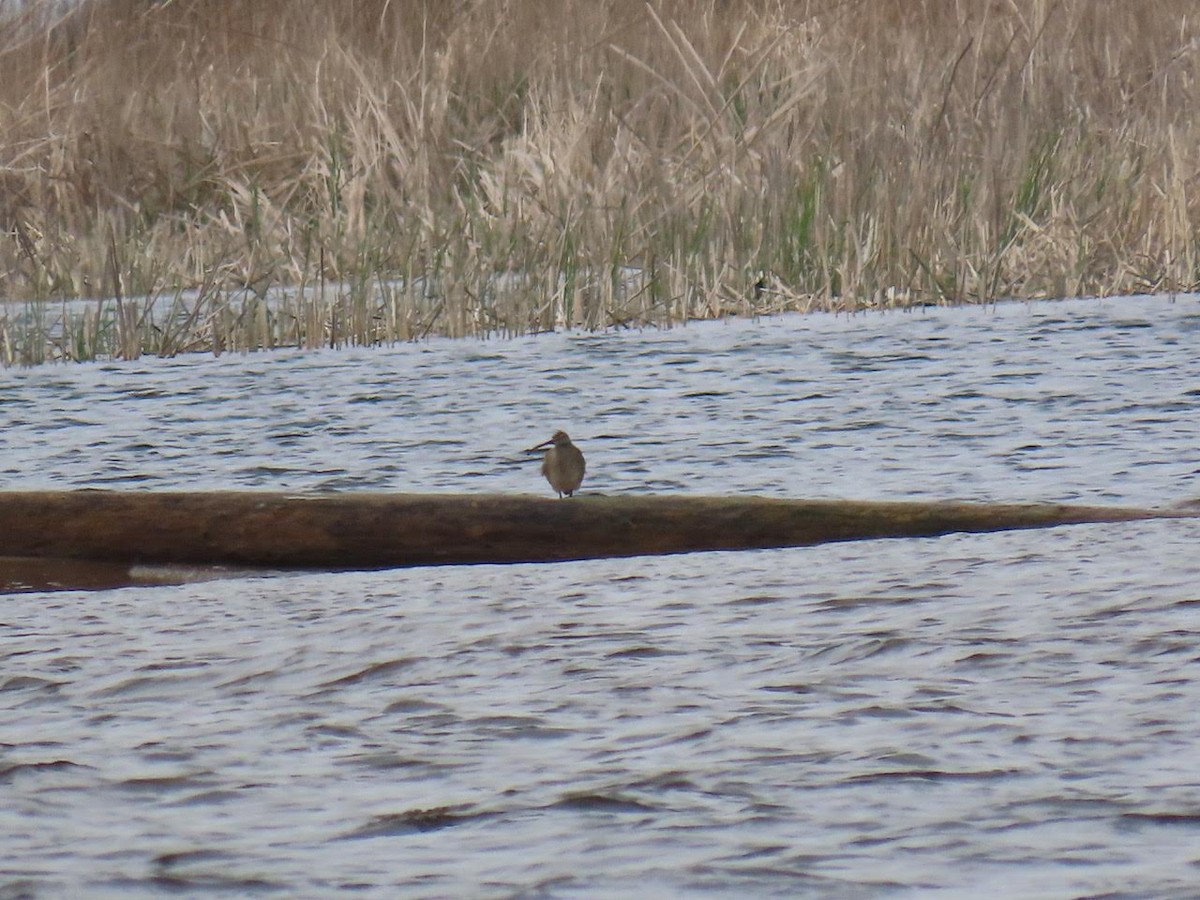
{"x": 949, "y": 717}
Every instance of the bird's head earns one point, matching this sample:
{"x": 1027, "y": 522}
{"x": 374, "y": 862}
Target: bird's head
{"x": 559, "y": 439}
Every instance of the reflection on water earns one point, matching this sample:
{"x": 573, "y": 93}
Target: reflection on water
{"x": 1012, "y": 710}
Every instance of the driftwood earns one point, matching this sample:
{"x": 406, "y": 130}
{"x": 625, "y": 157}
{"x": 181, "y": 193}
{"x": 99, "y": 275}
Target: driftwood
{"x": 105, "y": 532}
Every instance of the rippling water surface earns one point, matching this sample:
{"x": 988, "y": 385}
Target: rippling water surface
{"x": 1013, "y": 712}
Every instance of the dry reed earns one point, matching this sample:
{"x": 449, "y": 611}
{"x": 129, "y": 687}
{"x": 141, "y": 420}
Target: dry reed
{"x": 365, "y": 171}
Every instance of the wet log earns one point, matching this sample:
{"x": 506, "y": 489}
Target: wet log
{"x": 22, "y": 574}
{"x": 373, "y": 531}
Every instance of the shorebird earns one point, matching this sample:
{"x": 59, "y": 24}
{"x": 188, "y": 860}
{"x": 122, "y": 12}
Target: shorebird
{"x": 563, "y": 465}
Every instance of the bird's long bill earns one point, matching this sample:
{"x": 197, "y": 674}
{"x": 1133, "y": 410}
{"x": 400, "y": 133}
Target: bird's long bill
{"x": 540, "y": 447}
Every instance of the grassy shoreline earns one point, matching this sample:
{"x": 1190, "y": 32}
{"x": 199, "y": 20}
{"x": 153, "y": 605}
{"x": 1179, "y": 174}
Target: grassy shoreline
{"x": 394, "y": 170}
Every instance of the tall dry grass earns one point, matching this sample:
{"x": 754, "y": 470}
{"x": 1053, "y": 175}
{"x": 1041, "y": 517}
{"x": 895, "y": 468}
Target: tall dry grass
{"x": 410, "y": 167}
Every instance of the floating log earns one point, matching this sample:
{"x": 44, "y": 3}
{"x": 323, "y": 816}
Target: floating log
{"x": 373, "y": 531}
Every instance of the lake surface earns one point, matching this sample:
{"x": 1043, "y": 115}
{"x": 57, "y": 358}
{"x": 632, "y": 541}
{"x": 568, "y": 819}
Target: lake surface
{"x": 1012, "y": 713}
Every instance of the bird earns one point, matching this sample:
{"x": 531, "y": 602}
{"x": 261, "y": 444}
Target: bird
{"x": 563, "y": 465}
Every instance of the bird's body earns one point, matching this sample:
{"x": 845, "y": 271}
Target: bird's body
{"x": 563, "y": 465}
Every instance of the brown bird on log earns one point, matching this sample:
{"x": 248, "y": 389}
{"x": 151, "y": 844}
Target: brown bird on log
{"x": 563, "y": 465}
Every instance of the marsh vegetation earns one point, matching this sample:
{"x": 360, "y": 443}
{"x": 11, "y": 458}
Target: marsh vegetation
{"x": 220, "y": 176}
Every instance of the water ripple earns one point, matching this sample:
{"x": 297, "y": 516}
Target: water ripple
{"x": 922, "y": 716}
